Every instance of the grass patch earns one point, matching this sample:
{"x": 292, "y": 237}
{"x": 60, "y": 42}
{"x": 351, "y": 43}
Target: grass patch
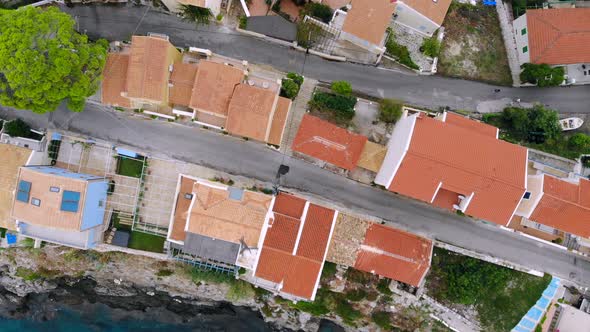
{"x": 164, "y": 273}
{"x": 473, "y": 47}
{"x": 30, "y": 275}
{"x": 146, "y": 242}
{"x": 500, "y": 295}
{"x": 210, "y": 276}
{"x": 240, "y": 289}
{"x": 129, "y": 166}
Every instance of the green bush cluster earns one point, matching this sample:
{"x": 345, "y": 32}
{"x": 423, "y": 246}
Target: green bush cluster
{"x": 243, "y": 24}
{"x": 319, "y": 11}
{"x": 240, "y": 289}
{"x": 17, "y": 128}
{"x": 382, "y": 319}
{"x": 341, "y": 106}
{"x": 291, "y": 85}
{"x": 329, "y": 270}
{"x": 542, "y": 75}
{"x": 356, "y": 295}
{"x": 390, "y": 110}
{"x": 341, "y": 87}
{"x": 431, "y": 46}
{"x": 383, "y": 286}
{"x": 400, "y": 53}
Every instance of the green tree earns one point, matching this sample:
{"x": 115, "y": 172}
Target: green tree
{"x": 542, "y": 75}
{"x": 17, "y": 128}
{"x": 579, "y": 142}
{"x": 289, "y": 89}
{"x": 534, "y": 125}
{"x": 43, "y": 61}
{"x": 390, "y": 110}
{"x": 198, "y": 15}
{"x": 430, "y": 47}
{"x": 342, "y": 88}
{"x": 318, "y": 10}
{"x": 296, "y": 78}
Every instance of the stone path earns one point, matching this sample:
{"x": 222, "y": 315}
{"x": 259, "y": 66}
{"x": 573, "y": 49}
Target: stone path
{"x": 298, "y": 109}
{"x": 412, "y": 40}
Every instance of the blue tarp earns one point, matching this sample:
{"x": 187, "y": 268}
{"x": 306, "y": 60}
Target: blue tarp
{"x": 10, "y": 238}
{"x": 125, "y": 152}
{"x": 534, "y": 314}
{"x": 520, "y": 329}
{"x": 56, "y": 137}
{"x": 527, "y": 323}
{"x": 543, "y": 303}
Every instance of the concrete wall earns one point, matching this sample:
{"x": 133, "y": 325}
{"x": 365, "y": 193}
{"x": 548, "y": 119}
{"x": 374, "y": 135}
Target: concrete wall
{"x": 535, "y": 187}
{"x": 522, "y": 41}
{"x": 396, "y": 149}
{"x": 411, "y": 18}
{"x": 96, "y": 195}
{"x": 214, "y": 6}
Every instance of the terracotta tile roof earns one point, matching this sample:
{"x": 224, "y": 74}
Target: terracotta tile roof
{"x": 368, "y": 19}
{"x": 182, "y": 80}
{"x": 251, "y": 112}
{"x": 325, "y": 141}
{"x": 395, "y": 254}
{"x": 49, "y": 213}
{"x": 316, "y": 231}
{"x": 13, "y": 157}
{"x": 434, "y": 10}
{"x": 181, "y": 209}
{"x": 214, "y": 87}
{"x": 565, "y": 206}
{"x": 279, "y": 120}
{"x": 148, "y": 71}
{"x": 465, "y": 162}
{"x": 299, "y": 273}
{"x": 476, "y": 126}
{"x": 372, "y": 156}
{"x": 113, "y": 83}
{"x": 559, "y": 36}
{"x": 216, "y": 215}
{"x": 289, "y": 205}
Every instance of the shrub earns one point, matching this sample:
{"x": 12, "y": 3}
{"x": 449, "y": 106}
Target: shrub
{"x": 329, "y": 270}
{"x": 295, "y": 78}
{"x": 535, "y": 125}
{"x": 390, "y": 110}
{"x": 579, "y": 142}
{"x": 542, "y": 75}
{"x": 164, "y": 273}
{"x": 17, "y": 128}
{"x": 243, "y": 22}
{"x": 27, "y": 274}
{"x": 198, "y": 15}
{"x": 308, "y": 33}
{"x": 356, "y": 295}
{"x": 318, "y": 10}
{"x": 342, "y": 88}
{"x": 357, "y": 276}
{"x": 431, "y": 47}
{"x": 219, "y": 17}
{"x": 347, "y": 312}
{"x": 382, "y": 319}
{"x": 289, "y": 89}
{"x": 383, "y": 286}
{"x": 342, "y": 106}
{"x": 240, "y": 290}
{"x": 401, "y": 53}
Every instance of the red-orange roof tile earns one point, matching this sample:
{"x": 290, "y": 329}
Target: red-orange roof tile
{"x": 369, "y": 19}
{"x": 395, "y": 254}
{"x": 315, "y": 233}
{"x": 325, "y": 141}
{"x": 289, "y": 205}
{"x": 113, "y": 83}
{"x": 559, "y": 36}
{"x": 282, "y": 233}
{"x": 279, "y": 120}
{"x": 465, "y": 162}
{"x": 250, "y": 112}
{"x": 476, "y": 126}
{"x": 565, "y": 206}
{"x": 182, "y": 79}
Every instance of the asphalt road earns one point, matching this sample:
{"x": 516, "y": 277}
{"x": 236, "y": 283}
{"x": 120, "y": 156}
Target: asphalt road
{"x": 239, "y": 157}
{"x": 120, "y": 22}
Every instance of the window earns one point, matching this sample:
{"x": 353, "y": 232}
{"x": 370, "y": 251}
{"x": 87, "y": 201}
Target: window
{"x": 36, "y": 201}
{"x": 523, "y": 32}
{"x": 70, "y": 201}
{"x": 525, "y": 49}
{"x": 24, "y": 190}
{"x": 527, "y": 195}
{"x": 54, "y": 189}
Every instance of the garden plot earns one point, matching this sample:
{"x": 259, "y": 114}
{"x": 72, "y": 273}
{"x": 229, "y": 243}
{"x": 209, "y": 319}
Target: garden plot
{"x": 473, "y": 47}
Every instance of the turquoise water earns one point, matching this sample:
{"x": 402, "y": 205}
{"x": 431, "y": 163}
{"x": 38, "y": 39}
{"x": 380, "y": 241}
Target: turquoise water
{"x": 100, "y": 319}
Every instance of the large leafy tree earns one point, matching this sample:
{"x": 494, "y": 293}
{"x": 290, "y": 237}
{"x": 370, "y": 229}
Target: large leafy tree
{"x": 44, "y": 61}
{"x": 199, "y": 15}
{"x": 542, "y": 75}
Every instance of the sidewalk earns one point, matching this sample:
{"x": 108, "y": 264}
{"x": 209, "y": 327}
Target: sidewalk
{"x": 505, "y": 17}
{"x": 298, "y": 109}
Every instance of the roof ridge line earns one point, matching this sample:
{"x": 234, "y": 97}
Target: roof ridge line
{"x": 466, "y": 170}
{"x": 569, "y": 202}
{"x": 554, "y": 41}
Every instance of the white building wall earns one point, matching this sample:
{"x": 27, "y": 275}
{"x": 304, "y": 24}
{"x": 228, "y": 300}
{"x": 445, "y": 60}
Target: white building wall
{"x": 522, "y": 40}
{"x": 396, "y": 149}
{"x": 413, "y": 19}
{"x": 535, "y": 187}
{"x": 214, "y": 6}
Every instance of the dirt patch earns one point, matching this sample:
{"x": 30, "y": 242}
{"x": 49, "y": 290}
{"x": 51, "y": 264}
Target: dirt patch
{"x": 473, "y": 47}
